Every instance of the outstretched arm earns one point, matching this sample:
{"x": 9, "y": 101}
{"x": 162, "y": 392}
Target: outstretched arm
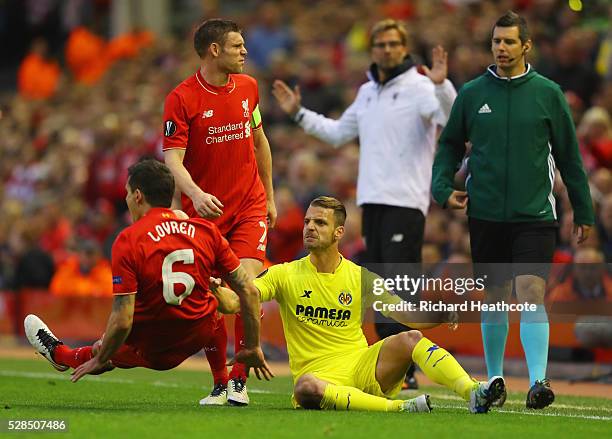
{"x": 444, "y": 90}
{"x": 117, "y": 330}
{"x": 289, "y": 100}
{"x": 248, "y": 295}
{"x": 335, "y": 132}
{"x": 251, "y": 355}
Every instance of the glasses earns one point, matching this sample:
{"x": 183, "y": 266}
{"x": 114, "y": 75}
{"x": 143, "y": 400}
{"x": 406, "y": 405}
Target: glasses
{"x": 391, "y": 44}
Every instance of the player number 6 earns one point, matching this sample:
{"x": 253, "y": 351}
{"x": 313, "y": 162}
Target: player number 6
{"x": 170, "y": 278}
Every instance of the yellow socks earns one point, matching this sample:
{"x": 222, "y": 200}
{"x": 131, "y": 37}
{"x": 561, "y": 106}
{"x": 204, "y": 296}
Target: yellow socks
{"x": 434, "y": 361}
{"x": 441, "y": 367}
{"x": 350, "y": 398}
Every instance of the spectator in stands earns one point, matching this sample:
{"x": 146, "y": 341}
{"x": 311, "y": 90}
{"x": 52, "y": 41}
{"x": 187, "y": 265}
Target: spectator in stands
{"x": 34, "y": 266}
{"x": 38, "y": 77}
{"x": 285, "y": 240}
{"x": 601, "y": 181}
{"x": 595, "y": 136}
{"x": 572, "y": 71}
{"x": 594, "y": 331}
{"x": 86, "y": 274}
{"x": 268, "y": 36}
{"x": 129, "y": 44}
{"x": 303, "y": 176}
{"x": 87, "y": 56}
{"x": 589, "y": 279}
{"x": 56, "y": 229}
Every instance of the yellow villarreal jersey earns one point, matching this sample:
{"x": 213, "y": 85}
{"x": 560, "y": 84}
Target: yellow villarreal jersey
{"x": 321, "y": 312}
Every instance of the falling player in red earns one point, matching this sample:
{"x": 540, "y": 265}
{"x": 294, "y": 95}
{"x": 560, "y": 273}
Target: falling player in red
{"x": 215, "y": 146}
{"x": 162, "y": 310}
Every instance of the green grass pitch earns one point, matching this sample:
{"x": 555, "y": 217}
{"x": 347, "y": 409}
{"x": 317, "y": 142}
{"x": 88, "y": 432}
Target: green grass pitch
{"x": 148, "y": 404}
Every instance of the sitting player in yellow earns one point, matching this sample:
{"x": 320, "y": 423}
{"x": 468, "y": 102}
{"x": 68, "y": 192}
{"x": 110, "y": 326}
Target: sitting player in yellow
{"x": 322, "y": 299}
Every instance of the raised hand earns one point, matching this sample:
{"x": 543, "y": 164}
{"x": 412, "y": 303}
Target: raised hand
{"x": 439, "y": 65}
{"x": 289, "y": 100}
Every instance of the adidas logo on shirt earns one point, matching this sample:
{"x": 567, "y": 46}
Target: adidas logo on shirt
{"x": 484, "y": 109}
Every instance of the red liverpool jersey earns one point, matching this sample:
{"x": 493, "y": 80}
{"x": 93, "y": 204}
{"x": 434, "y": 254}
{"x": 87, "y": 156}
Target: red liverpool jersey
{"x": 167, "y": 262}
{"x": 215, "y": 125}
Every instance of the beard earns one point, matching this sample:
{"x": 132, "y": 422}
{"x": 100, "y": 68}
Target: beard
{"x": 318, "y": 244}
{"x": 230, "y": 66}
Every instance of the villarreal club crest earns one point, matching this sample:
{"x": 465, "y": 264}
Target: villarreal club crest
{"x": 345, "y": 298}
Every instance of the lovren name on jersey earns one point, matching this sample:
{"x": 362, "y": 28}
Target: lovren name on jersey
{"x": 171, "y": 227}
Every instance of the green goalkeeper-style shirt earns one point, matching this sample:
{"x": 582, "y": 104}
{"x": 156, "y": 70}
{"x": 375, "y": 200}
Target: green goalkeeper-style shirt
{"x": 521, "y": 130}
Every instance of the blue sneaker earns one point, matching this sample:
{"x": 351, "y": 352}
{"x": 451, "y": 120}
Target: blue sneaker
{"x": 483, "y": 394}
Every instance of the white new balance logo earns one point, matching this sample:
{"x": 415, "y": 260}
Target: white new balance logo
{"x": 484, "y": 109}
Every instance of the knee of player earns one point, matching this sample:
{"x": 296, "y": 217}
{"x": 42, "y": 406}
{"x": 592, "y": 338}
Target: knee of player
{"x": 530, "y": 289}
{"x": 308, "y": 392}
{"x": 411, "y": 338}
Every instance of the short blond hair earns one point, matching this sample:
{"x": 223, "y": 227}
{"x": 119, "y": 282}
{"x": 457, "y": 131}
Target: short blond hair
{"x": 388, "y": 24}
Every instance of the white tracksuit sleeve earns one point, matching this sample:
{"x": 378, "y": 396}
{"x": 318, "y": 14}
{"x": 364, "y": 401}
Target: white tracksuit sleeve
{"x": 446, "y": 94}
{"x": 335, "y": 132}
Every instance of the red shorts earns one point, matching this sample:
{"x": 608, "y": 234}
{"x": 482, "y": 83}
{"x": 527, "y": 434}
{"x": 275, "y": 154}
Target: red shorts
{"x": 248, "y": 237}
{"x": 164, "y": 345}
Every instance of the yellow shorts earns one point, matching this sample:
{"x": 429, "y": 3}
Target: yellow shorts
{"x": 354, "y": 369}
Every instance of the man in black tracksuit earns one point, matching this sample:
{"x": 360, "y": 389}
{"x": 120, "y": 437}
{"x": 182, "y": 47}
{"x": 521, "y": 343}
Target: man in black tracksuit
{"x": 520, "y": 128}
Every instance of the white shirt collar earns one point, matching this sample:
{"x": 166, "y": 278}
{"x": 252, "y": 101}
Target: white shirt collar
{"x": 492, "y": 70}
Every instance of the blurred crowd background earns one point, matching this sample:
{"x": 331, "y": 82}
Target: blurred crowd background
{"x": 83, "y": 82}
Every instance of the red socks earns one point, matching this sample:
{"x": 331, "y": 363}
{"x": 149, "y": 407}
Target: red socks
{"x": 239, "y": 369}
{"x": 216, "y": 354}
{"x": 72, "y": 357}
